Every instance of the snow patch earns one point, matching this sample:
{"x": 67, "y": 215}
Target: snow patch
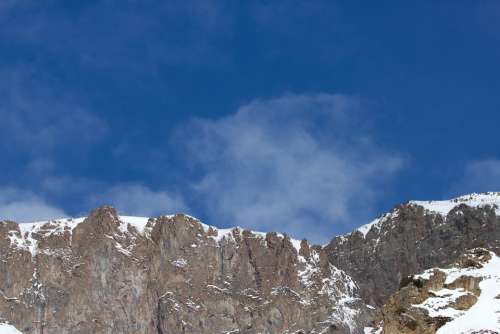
{"x": 438, "y": 306}
{"x": 44, "y": 228}
{"x": 376, "y": 223}
{"x": 138, "y": 222}
{"x": 180, "y": 263}
{"x": 371, "y": 330}
{"x": 8, "y": 329}
{"x": 472, "y": 200}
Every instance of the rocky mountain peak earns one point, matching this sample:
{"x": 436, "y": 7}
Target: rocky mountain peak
{"x": 101, "y": 222}
{"x": 105, "y": 218}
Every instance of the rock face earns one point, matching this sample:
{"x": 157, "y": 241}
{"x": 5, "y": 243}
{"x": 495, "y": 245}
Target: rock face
{"x": 462, "y": 298}
{"x": 171, "y": 274}
{"x": 414, "y": 237}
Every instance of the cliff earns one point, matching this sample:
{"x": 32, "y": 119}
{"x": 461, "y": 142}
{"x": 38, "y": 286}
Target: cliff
{"x": 171, "y": 274}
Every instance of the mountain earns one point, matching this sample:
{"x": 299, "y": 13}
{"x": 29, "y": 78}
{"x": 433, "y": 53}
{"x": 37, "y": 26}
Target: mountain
{"x": 107, "y": 273}
{"x": 171, "y": 274}
{"x": 413, "y": 237}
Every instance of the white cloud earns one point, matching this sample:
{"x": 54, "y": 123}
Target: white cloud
{"x": 24, "y": 206}
{"x": 129, "y": 199}
{"x": 134, "y": 199}
{"x": 298, "y": 164}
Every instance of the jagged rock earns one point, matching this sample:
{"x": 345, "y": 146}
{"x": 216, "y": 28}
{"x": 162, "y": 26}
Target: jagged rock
{"x": 171, "y": 274}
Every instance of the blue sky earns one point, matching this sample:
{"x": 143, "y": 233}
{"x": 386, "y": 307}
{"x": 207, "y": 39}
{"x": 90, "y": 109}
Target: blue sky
{"x": 307, "y": 117}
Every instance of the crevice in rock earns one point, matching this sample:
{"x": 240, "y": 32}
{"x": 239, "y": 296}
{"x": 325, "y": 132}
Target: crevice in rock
{"x": 158, "y": 317}
{"x": 253, "y": 263}
{"x": 221, "y": 254}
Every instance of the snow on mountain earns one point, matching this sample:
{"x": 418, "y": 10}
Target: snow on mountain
{"x": 139, "y": 223}
{"x": 483, "y": 315}
{"x": 59, "y": 226}
{"x": 47, "y": 228}
{"x": 472, "y": 200}
{"x": 364, "y": 229}
{"x": 8, "y": 329}
{"x": 462, "y": 298}
{"x": 440, "y": 207}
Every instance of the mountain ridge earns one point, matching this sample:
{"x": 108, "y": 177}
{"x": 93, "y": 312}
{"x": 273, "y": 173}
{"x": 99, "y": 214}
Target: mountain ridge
{"x": 188, "y": 277}
{"x": 442, "y": 207}
{"x": 184, "y": 276}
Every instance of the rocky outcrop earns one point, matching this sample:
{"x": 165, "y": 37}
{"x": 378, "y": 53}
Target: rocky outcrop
{"x": 414, "y": 237}
{"x": 461, "y": 298}
{"x": 171, "y": 274}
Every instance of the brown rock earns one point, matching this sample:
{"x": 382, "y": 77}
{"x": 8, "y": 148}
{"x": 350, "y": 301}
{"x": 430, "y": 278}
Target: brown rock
{"x": 177, "y": 276}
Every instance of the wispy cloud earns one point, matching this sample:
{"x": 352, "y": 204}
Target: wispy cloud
{"x": 301, "y": 164}
{"x": 478, "y": 176}
{"x": 298, "y": 164}
{"x": 25, "y": 206}
{"x": 128, "y": 198}
{"x": 136, "y": 199}
{"x": 44, "y": 128}
{"x": 39, "y": 116}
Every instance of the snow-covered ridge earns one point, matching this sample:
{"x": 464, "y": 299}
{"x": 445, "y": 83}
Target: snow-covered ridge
{"x": 440, "y": 207}
{"x": 60, "y": 226}
{"x": 364, "y": 229}
{"x": 472, "y": 200}
{"x": 228, "y": 232}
